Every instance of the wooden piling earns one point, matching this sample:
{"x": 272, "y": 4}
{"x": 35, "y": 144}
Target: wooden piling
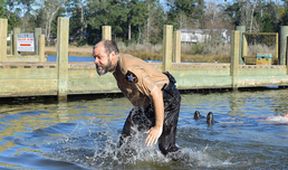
{"x": 235, "y": 55}
{"x": 283, "y": 44}
{"x": 3, "y": 39}
{"x": 11, "y": 43}
{"x": 16, "y": 31}
{"x": 287, "y": 55}
{"x": 168, "y": 46}
{"x": 243, "y": 43}
{"x": 37, "y": 33}
{"x": 277, "y": 47}
{"x": 177, "y": 47}
{"x": 41, "y": 48}
{"x": 106, "y": 32}
{"x": 62, "y": 57}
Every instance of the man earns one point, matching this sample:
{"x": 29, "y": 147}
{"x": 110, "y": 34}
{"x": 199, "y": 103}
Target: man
{"x": 153, "y": 94}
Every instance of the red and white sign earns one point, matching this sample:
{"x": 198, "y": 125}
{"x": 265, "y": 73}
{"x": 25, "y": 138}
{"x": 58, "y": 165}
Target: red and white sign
{"x": 25, "y": 42}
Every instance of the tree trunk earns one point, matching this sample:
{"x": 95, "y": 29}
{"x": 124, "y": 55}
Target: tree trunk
{"x": 82, "y": 29}
{"x": 129, "y": 31}
{"x": 139, "y": 35}
{"x": 51, "y": 13}
{"x": 252, "y": 16}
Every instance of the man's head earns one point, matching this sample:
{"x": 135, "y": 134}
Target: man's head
{"x": 105, "y": 54}
{"x": 197, "y": 115}
{"x": 210, "y": 118}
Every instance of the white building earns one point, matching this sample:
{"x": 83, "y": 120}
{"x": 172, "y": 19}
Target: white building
{"x": 203, "y": 35}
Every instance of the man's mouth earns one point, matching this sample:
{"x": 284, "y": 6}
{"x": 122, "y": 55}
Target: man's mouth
{"x": 100, "y": 70}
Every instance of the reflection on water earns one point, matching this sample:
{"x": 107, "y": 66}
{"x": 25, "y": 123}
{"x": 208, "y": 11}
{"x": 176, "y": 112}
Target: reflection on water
{"x": 84, "y": 134}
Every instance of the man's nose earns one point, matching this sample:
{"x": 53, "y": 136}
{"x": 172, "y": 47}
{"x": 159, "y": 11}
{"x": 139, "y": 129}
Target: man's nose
{"x": 95, "y": 61}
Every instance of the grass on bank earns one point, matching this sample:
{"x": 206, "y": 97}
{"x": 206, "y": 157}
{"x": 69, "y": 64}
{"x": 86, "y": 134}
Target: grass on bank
{"x": 189, "y": 53}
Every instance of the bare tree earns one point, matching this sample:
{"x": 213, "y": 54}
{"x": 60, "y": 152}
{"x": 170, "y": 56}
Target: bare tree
{"x": 248, "y": 8}
{"x": 50, "y": 10}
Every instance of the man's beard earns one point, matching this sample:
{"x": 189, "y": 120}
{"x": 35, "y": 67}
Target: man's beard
{"x": 103, "y": 70}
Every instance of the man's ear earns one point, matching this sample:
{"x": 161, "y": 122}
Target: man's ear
{"x": 112, "y": 55}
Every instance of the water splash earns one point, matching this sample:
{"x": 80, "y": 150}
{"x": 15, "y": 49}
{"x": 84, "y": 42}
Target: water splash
{"x": 100, "y": 150}
{"x": 277, "y": 119}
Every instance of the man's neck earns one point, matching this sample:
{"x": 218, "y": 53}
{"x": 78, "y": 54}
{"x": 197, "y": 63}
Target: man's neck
{"x": 115, "y": 63}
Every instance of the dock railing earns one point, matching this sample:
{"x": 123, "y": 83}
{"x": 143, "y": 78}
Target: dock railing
{"x": 62, "y": 79}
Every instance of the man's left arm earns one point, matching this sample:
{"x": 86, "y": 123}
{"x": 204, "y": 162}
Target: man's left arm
{"x": 155, "y": 132}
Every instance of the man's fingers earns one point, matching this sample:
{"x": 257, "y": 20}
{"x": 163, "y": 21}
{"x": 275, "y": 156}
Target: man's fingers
{"x": 150, "y": 140}
{"x": 148, "y": 131}
{"x": 152, "y": 137}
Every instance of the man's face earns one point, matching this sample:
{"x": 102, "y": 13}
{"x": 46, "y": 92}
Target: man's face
{"x": 102, "y": 60}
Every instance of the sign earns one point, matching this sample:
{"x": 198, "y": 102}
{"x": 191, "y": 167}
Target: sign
{"x": 25, "y": 42}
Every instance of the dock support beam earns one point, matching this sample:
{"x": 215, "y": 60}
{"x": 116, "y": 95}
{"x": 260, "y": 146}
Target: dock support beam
{"x": 283, "y": 44}
{"x": 3, "y": 39}
{"x": 16, "y": 31}
{"x": 41, "y": 48}
{"x": 243, "y": 43}
{"x": 106, "y": 32}
{"x": 235, "y": 55}
{"x": 177, "y": 47}
{"x": 168, "y": 47}
{"x": 37, "y": 34}
{"x": 62, "y": 57}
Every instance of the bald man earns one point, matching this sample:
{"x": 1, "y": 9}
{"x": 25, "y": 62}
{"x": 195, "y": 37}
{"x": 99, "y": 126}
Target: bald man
{"x": 153, "y": 94}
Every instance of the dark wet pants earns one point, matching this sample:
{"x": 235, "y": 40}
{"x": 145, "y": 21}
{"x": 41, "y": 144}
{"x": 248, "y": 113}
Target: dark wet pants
{"x": 144, "y": 119}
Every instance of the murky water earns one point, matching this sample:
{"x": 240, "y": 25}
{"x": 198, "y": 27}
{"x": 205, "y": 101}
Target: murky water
{"x": 84, "y": 134}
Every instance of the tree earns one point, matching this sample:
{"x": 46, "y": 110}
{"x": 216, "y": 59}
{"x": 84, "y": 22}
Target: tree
{"x": 284, "y": 13}
{"x": 256, "y": 15}
{"x": 10, "y": 11}
{"x": 109, "y": 12}
{"x": 154, "y": 22}
{"x": 136, "y": 18}
{"x": 47, "y": 14}
{"x": 78, "y": 20}
{"x": 3, "y": 10}
{"x": 185, "y": 13}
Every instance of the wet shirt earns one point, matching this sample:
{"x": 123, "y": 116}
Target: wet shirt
{"x": 136, "y": 79}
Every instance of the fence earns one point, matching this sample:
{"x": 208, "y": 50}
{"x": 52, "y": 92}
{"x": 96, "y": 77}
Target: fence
{"x": 63, "y": 78}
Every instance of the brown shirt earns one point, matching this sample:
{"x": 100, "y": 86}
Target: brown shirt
{"x": 136, "y": 79}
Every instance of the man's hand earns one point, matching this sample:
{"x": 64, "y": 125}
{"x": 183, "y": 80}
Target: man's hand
{"x": 153, "y": 135}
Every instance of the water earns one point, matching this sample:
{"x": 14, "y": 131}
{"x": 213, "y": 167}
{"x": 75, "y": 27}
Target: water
{"x": 84, "y": 134}
{"x": 52, "y": 58}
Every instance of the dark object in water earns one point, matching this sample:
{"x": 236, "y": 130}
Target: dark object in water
{"x": 210, "y": 118}
{"x": 197, "y": 115}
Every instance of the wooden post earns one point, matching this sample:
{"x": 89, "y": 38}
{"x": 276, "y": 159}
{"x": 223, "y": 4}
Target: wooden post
{"x": 106, "y": 32}
{"x": 41, "y": 46}
{"x": 177, "y": 47}
{"x": 277, "y": 47}
{"x": 11, "y": 43}
{"x": 283, "y": 44}
{"x": 235, "y": 54}
{"x": 37, "y": 34}
{"x": 16, "y": 31}
{"x": 168, "y": 46}
{"x": 243, "y": 43}
{"x": 62, "y": 57}
{"x": 287, "y": 55}
{"x": 3, "y": 39}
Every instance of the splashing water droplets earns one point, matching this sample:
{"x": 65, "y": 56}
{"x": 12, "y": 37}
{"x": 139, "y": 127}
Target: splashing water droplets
{"x": 95, "y": 144}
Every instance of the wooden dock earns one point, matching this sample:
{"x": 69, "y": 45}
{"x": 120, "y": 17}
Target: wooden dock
{"x": 62, "y": 78}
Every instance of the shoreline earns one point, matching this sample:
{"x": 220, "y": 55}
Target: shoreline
{"x": 143, "y": 54}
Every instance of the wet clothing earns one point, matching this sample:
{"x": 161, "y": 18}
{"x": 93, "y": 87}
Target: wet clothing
{"x": 136, "y": 79}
